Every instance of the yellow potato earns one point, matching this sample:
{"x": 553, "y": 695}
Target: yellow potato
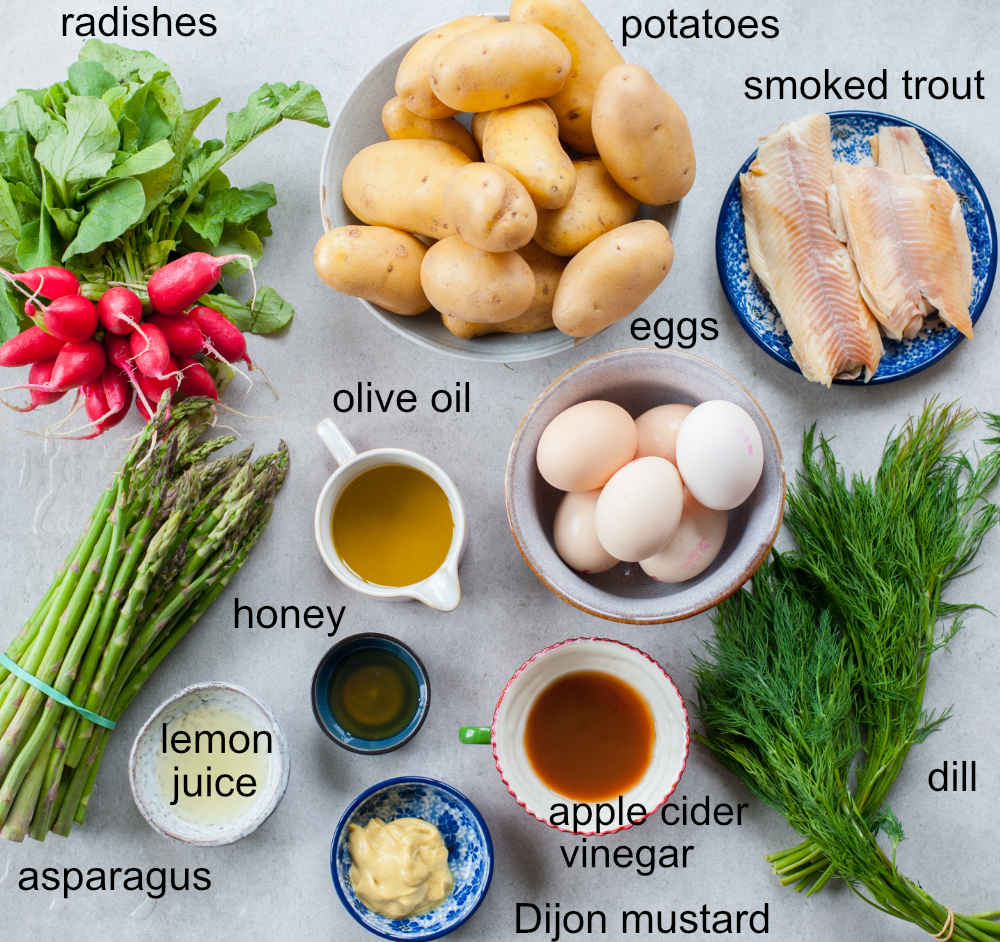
{"x": 547, "y": 269}
{"x": 498, "y": 66}
{"x": 642, "y": 136}
{"x": 472, "y": 285}
{"x": 611, "y": 277}
{"x": 528, "y": 323}
{"x": 479, "y": 120}
{"x": 376, "y": 263}
{"x": 402, "y": 184}
{"x": 598, "y": 205}
{"x": 524, "y": 140}
{"x": 413, "y": 78}
{"x": 490, "y": 209}
{"x": 592, "y": 52}
{"x": 402, "y": 124}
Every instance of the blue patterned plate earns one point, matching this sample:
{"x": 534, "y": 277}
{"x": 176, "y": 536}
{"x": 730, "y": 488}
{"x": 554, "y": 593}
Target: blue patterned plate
{"x": 850, "y": 131}
{"x": 470, "y": 853}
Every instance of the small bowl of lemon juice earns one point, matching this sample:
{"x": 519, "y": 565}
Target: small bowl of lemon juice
{"x": 209, "y": 766}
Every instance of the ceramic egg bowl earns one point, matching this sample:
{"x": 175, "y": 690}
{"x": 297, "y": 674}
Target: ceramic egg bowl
{"x": 360, "y": 124}
{"x": 638, "y": 379}
{"x": 465, "y": 834}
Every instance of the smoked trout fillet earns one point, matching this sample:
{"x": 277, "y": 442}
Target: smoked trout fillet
{"x": 906, "y": 234}
{"x": 795, "y": 253}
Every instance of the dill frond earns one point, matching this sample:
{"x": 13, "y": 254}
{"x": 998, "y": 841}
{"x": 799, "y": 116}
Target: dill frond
{"x": 812, "y": 690}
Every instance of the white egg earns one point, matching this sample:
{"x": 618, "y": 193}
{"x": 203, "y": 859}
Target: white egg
{"x": 575, "y": 534}
{"x": 585, "y": 444}
{"x": 720, "y": 454}
{"x": 658, "y": 429}
{"x": 694, "y": 546}
{"x": 639, "y": 508}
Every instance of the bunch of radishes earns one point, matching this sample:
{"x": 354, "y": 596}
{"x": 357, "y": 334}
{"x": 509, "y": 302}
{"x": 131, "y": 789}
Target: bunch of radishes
{"x": 112, "y": 350}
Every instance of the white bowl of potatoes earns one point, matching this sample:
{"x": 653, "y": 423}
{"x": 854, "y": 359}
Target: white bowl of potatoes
{"x": 524, "y": 210}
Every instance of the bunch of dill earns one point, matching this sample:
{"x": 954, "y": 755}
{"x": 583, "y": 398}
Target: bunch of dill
{"x": 812, "y": 689}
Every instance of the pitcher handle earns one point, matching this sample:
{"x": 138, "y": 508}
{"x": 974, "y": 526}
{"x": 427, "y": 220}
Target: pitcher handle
{"x": 336, "y": 443}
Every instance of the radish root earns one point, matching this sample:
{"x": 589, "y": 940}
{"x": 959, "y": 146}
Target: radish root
{"x": 267, "y": 379}
{"x": 212, "y": 352}
{"x": 72, "y": 435}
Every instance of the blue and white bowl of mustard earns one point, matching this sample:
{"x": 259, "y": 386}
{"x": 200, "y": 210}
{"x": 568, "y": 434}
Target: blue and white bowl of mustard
{"x": 465, "y": 834}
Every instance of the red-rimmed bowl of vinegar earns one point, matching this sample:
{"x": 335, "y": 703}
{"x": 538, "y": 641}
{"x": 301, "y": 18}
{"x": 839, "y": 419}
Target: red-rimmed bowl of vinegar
{"x": 590, "y": 736}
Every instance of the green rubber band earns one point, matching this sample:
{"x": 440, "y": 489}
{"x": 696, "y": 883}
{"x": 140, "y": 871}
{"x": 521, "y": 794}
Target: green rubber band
{"x": 54, "y": 694}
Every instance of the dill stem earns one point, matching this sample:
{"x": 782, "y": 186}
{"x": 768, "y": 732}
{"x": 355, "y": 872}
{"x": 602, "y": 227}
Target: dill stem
{"x": 827, "y": 876}
{"x": 786, "y": 860}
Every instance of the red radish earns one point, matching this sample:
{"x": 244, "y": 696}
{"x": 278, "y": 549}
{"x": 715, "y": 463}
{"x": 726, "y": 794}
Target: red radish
{"x": 150, "y": 353}
{"x": 76, "y": 364}
{"x": 95, "y": 402}
{"x": 29, "y": 346}
{"x": 71, "y": 318}
{"x": 107, "y": 400}
{"x": 50, "y": 281}
{"x": 119, "y": 352}
{"x": 176, "y": 286}
{"x": 117, "y": 390}
{"x": 183, "y": 335}
{"x": 152, "y": 389}
{"x": 38, "y": 378}
{"x": 196, "y": 381}
{"x": 119, "y": 310}
{"x": 155, "y": 386}
{"x": 104, "y": 413}
{"x": 40, "y": 374}
{"x": 225, "y": 341}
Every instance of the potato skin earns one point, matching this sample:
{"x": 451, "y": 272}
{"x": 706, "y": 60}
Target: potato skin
{"x": 643, "y": 136}
{"x": 611, "y": 277}
{"x": 472, "y": 285}
{"x": 597, "y": 205}
{"x": 478, "y": 122}
{"x": 490, "y": 209}
{"x": 592, "y": 53}
{"x": 524, "y": 140}
{"x": 498, "y": 66}
{"x": 413, "y": 78}
{"x": 547, "y": 269}
{"x": 530, "y": 322}
{"x": 379, "y": 264}
{"x": 401, "y": 184}
{"x": 401, "y": 124}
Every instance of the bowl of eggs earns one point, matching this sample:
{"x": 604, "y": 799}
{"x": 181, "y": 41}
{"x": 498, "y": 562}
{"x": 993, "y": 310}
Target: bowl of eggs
{"x": 645, "y": 486}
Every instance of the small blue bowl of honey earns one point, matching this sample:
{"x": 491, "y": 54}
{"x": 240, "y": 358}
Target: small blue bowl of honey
{"x": 370, "y": 693}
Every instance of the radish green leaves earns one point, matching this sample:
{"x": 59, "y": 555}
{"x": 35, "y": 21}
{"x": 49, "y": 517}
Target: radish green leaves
{"x": 103, "y": 173}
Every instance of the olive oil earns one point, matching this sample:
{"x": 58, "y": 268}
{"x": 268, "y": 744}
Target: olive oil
{"x": 373, "y": 694}
{"x": 392, "y": 525}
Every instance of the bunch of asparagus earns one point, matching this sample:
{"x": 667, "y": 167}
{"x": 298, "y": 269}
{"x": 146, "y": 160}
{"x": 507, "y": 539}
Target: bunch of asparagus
{"x": 164, "y": 540}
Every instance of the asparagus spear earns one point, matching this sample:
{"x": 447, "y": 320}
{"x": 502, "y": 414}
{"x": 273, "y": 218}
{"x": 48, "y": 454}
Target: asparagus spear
{"x": 162, "y": 543}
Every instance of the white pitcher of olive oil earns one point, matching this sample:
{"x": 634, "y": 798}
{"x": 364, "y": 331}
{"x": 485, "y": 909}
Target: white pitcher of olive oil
{"x": 390, "y": 523}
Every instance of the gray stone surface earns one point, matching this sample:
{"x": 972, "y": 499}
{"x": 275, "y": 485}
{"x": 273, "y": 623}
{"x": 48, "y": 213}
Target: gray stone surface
{"x": 276, "y": 884}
